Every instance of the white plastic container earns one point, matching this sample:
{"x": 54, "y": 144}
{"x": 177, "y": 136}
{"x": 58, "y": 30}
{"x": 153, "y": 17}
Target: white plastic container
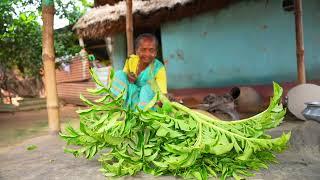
{"x": 103, "y": 74}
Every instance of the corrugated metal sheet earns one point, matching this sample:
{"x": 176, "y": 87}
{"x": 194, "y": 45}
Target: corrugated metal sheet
{"x": 75, "y": 82}
{"x": 70, "y": 92}
{"x": 79, "y": 71}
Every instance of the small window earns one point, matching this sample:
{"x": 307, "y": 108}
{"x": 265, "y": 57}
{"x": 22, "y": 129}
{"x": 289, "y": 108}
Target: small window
{"x": 288, "y": 5}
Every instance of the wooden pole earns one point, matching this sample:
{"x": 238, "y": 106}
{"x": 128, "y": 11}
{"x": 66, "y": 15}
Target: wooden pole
{"x": 299, "y": 42}
{"x": 48, "y": 59}
{"x": 109, "y": 44}
{"x": 81, "y": 42}
{"x": 129, "y": 28}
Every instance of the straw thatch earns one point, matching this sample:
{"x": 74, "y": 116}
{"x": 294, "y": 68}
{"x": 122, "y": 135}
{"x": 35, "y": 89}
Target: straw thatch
{"x": 104, "y": 2}
{"x": 104, "y": 20}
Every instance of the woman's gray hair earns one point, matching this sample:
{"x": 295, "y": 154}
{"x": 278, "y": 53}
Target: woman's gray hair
{"x": 145, "y": 35}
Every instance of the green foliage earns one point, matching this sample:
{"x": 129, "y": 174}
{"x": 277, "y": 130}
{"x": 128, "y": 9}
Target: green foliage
{"x": 174, "y": 139}
{"x": 31, "y": 147}
{"x": 66, "y": 42}
{"x": 71, "y": 10}
{"x": 21, "y": 34}
{"x": 48, "y": 2}
{"x": 20, "y": 42}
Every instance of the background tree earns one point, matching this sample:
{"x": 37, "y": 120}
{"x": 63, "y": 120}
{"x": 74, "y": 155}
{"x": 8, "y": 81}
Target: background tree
{"x": 21, "y": 45}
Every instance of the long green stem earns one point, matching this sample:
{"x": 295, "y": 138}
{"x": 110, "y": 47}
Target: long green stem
{"x": 199, "y": 138}
{"x": 190, "y": 111}
{"x": 197, "y": 118}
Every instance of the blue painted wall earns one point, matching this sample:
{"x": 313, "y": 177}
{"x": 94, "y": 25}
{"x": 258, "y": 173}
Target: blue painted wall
{"x": 119, "y": 51}
{"x": 247, "y": 43}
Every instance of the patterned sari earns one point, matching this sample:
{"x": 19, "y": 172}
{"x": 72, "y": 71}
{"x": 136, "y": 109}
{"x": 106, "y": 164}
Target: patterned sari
{"x": 140, "y": 93}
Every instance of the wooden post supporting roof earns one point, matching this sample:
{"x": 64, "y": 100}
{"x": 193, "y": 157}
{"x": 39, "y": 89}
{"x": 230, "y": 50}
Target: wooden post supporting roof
{"x": 109, "y": 47}
{"x": 48, "y": 59}
{"x": 81, "y": 42}
{"x": 299, "y": 42}
{"x": 129, "y": 28}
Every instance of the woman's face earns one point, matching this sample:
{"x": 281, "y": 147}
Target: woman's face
{"x": 147, "y": 50}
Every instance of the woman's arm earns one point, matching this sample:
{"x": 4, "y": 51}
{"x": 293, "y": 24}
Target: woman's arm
{"x": 129, "y": 68}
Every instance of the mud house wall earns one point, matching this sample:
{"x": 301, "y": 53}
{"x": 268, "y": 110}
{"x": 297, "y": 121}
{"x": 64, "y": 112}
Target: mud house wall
{"x": 250, "y": 42}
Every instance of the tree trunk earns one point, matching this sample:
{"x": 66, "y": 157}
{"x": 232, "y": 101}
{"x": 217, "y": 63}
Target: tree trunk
{"x": 48, "y": 58}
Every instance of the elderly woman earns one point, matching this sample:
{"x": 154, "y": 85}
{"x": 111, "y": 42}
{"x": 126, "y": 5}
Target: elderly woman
{"x": 139, "y": 70}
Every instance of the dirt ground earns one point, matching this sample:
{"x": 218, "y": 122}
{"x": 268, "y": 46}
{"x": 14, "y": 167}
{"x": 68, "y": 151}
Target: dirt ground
{"x": 19, "y": 126}
{"x": 48, "y": 161}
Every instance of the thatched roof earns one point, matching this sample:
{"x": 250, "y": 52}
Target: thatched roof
{"x": 104, "y": 20}
{"x": 104, "y": 2}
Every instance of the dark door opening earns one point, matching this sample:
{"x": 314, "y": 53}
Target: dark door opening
{"x": 98, "y": 49}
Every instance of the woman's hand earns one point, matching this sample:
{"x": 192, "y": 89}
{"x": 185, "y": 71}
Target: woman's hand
{"x": 159, "y": 103}
{"x": 132, "y": 78}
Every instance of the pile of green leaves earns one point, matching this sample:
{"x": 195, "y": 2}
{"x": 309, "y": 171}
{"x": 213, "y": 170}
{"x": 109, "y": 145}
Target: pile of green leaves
{"x": 173, "y": 139}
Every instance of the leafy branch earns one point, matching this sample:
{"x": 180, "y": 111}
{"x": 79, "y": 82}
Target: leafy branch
{"x": 174, "y": 139}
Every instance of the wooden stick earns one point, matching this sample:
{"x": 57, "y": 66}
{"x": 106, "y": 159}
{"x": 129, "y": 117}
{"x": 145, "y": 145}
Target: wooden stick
{"x": 299, "y": 42}
{"x": 129, "y": 28}
{"x": 81, "y": 42}
{"x": 48, "y": 58}
{"x": 109, "y": 47}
